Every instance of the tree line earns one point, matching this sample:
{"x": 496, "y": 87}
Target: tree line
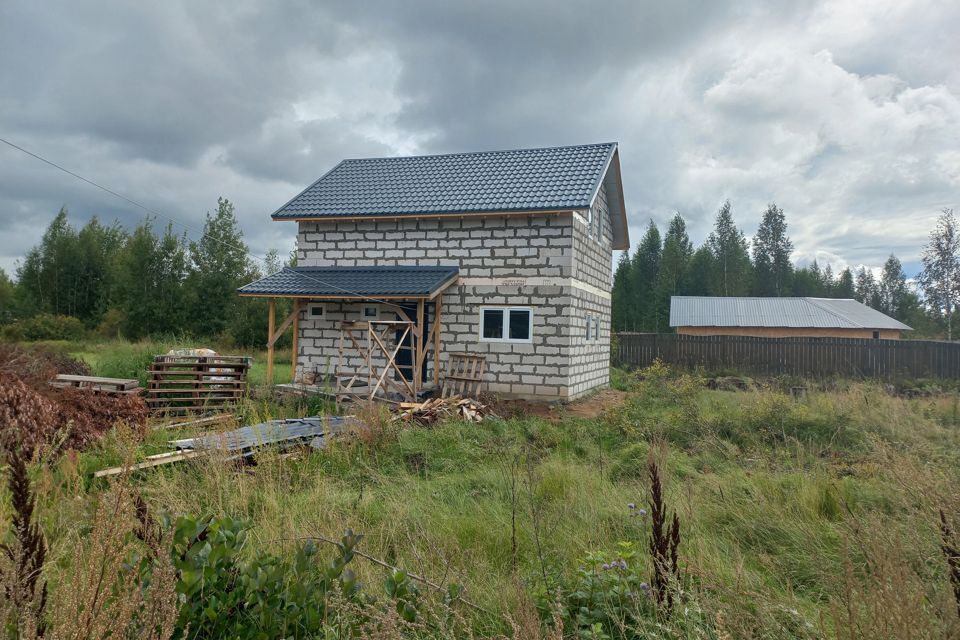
{"x": 726, "y": 264}
{"x": 150, "y": 281}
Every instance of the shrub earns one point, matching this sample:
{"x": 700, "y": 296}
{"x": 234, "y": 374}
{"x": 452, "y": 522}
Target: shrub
{"x": 46, "y": 326}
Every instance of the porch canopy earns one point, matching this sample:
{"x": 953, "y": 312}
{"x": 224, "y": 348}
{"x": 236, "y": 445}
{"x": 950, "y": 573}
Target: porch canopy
{"x": 387, "y": 285}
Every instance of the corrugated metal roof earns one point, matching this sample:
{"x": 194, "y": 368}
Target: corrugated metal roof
{"x": 353, "y": 282}
{"x": 704, "y": 311}
{"x": 487, "y": 181}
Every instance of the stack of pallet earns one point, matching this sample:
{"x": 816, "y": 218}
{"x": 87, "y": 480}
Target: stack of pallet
{"x": 437, "y": 409}
{"x": 186, "y": 384}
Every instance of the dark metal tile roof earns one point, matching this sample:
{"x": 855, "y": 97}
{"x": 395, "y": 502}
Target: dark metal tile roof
{"x": 489, "y": 181}
{"x": 706, "y": 311}
{"x": 354, "y": 282}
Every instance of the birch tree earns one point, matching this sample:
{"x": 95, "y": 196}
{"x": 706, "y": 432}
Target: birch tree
{"x": 940, "y": 277}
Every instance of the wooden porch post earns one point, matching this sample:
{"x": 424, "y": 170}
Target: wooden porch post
{"x": 296, "y": 340}
{"x": 271, "y": 323}
{"x": 436, "y": 339}
{"x": 421, "y": 341}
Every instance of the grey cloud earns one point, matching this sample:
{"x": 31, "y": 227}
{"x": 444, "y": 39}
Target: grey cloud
{"x": 844, "y": 114}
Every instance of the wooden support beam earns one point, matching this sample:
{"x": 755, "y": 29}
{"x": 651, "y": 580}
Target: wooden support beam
{"x": 283, "y": 327}
{"x": 271, "y": 321}
{"x": 295, "y": 349}
{"x": 421, "y": 342}
{"x": 437, "y": 307}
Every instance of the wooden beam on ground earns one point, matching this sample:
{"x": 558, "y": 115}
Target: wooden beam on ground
{"x": 295, "y": 350}
{"x": 437, "y": 307}
{"x": 151, "y": 461}
{"x": 271, "y": 322}
{"x": 201, "y": 422}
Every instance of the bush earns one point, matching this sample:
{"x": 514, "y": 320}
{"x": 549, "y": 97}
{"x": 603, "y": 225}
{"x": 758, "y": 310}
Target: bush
{"x": 271, "y": 596}
{"x": 46, "y": 326}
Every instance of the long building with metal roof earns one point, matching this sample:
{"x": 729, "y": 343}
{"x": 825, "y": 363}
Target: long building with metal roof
{"x": 781, "y": 317}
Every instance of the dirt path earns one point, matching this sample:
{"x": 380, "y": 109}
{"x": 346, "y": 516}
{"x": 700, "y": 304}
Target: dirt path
{"x": 590, "y": 407}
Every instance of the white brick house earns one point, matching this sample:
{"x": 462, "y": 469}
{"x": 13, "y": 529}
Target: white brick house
{"x": 517, "y": 245}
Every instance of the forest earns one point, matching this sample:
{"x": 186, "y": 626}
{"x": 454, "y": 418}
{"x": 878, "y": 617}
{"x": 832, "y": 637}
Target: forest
{"x": 152, "y": 282}
{"x": 148, "y": 282}
{"x": 727, "y": 264}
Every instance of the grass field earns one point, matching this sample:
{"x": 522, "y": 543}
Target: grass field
{"x": 799, "y": 518}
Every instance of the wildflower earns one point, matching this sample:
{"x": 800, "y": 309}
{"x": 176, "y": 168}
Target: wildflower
{"x": 605, "y": 566}
{"x": 644, "y": 587}
{"x": 631, "y": 505}
{"x": 623, "y": 565}
{"x": 643, "y": 513}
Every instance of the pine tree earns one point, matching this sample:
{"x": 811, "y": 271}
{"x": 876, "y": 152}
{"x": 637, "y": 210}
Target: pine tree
{"x": 643, "y": 275}
{"x": 827, "y": 282}
{"x": 865, "y": 287}
{"x": 152, "y": 272}
{"x": 8, "y": 296}
{"x": 218, "y": 265}
{"x": 671, "y": 277}
{"x": 729, "y": 248}
{"x": 700, "y": 272}
{"x": 940, "y": 277}
{"x": 620, "y": 306}
{"x": 845, "y": 286}
{"x": 771, "y": 254}
{"x": 892, "y": 288}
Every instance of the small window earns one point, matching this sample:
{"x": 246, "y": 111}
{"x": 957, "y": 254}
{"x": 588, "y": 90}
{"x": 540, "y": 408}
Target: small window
{"x": 315, "y": 310}
{"x": 371, "y": 312}
{"x": 506, "y": 324}
{"x": 876, "y": 335}
{"x": 593, "y": 328}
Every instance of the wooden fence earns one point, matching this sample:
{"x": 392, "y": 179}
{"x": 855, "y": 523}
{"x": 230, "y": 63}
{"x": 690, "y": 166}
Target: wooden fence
{"x": 815, "y": 357}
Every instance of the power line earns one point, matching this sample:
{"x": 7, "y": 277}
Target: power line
{"x": 177, "y": 221}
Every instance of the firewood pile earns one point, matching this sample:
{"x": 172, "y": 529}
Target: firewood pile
{"x": 437, "y": 409}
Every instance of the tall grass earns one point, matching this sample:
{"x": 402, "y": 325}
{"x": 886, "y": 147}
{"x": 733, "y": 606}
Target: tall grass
{"x": 806, "y": 518}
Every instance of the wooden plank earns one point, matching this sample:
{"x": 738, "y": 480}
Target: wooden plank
{"x": 119, "y": 383}
{"x": 151, "y": 461}
{"x": 438, "y": 306}
{"x": 295, "y": 348}
{"x": 271, "y": 321}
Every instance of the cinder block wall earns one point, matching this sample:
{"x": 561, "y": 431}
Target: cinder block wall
{"x": 557, "y": 364}
{"x": 592, "y": 260}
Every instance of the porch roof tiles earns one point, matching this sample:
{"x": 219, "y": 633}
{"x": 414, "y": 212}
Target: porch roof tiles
{"x": 359, "y": 283}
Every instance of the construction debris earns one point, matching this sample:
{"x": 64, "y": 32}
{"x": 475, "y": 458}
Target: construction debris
{"x": 436, "y": 409}
{"x": 242, "y": 443}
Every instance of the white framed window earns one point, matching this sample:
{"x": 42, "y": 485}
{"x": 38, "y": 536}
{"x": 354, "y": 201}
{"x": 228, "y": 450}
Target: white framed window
{"x": 506, "y": 324}
{"x": 370, "y": 312}
{"x": 315, "y": 311}
{"x": 590, "y": 222}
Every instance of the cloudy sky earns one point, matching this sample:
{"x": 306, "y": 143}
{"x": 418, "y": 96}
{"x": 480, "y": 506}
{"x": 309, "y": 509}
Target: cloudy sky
{"x": 847, "y": 114}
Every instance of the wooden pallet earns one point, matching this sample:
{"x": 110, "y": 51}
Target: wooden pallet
{"x": 185, "y": 384}
{"x": 464, "y": 375}
{"x": 108, "y": 386}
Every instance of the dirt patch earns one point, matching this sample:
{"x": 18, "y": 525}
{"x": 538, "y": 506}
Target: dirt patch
{"x": 590, "y": 407}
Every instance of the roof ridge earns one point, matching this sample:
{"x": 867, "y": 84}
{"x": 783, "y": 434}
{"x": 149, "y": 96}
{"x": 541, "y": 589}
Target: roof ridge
{"x": 614, "y": 144}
